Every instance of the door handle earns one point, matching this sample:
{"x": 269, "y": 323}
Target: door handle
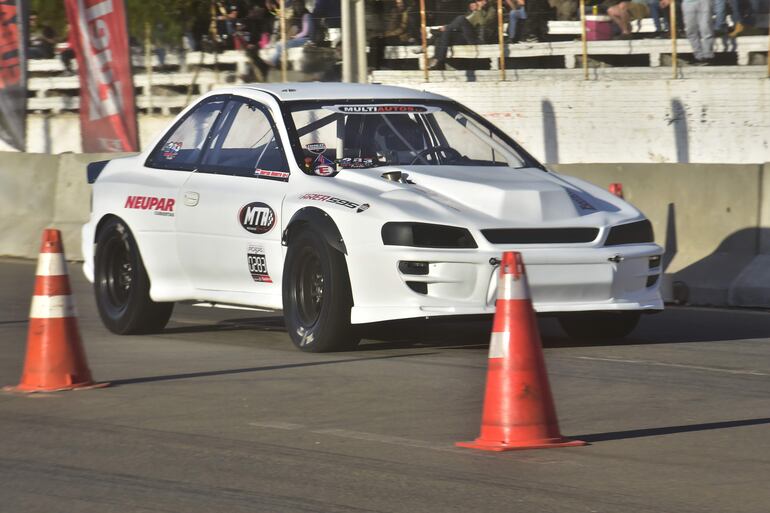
{"x": 191, "y": 198}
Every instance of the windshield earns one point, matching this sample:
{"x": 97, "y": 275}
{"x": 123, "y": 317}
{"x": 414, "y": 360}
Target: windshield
{"x": 333, "y": 135}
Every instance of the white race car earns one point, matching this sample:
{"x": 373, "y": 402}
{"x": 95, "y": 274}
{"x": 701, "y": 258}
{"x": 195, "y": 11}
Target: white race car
{"x": 345, "y": 204}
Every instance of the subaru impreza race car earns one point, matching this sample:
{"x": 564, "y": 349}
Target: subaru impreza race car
{"x": 346, "y": 204}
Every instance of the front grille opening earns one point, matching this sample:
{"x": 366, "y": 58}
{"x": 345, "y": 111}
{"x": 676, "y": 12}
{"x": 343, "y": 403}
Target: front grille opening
{"x": 654, "y": 262}
{"x": 652, "y": 280}
{"x": 540, "y": 235}
{"x": 418, "y": 286}
{"x": 631, "y": 233}
{"x": 414, "y": 268}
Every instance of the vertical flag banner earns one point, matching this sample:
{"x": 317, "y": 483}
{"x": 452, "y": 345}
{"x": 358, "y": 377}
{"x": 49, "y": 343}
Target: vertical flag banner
{"x": 100, "y": 39}
{"x": 13, "y": 72}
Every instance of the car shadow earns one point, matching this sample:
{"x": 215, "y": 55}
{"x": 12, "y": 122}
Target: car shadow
{"x": 674, "y": 325}
{"x": 228, "y": 372}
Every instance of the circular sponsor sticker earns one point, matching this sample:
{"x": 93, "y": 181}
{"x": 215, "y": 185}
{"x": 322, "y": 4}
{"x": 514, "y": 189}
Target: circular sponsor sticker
{"x": 324, "y": 170}
{"x": 256, "y": 218}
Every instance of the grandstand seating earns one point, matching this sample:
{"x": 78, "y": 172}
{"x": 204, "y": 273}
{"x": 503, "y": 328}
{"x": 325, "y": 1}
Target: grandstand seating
{"x": 195, "y": 72}
{"x": 569, "y": 50}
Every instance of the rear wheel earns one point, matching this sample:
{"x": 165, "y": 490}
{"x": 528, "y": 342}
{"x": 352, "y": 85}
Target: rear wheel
{"x": 599, "y": 325}
{"x": 121, "y": 284}
{"x": 316, "y": 295}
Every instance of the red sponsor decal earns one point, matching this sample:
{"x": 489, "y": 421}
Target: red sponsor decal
{"x": 150, "y": 203}
{"x": 271, "y": 174}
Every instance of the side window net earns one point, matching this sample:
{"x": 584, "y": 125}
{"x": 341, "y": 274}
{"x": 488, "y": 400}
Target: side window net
{"x": 181, "y": 150}
{"x": 246, "y": 143}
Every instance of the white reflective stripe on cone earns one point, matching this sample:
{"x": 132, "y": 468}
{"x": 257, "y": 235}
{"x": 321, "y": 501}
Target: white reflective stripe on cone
{"x": 52, "y": 307}
{"x": 51, "y": 264}
{"x": 498, "y": 344}
{"x": 509, "y": 288}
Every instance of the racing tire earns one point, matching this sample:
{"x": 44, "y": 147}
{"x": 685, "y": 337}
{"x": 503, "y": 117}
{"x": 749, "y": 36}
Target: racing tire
{"x": 121, "y": 284}
{"x": 316, "y": 296}
{"x": 599, "y": 325}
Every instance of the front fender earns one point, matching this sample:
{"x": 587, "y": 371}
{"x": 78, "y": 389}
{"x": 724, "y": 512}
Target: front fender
{"x": 318, "y": 220}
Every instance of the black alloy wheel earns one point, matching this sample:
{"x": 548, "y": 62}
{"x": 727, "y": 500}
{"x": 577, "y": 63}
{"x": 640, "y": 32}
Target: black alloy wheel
{"x": 121, "y": 284}
{"x": 316, "y": 295}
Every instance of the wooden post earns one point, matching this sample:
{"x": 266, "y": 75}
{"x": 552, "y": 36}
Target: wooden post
{"x": 583, "y": 38}
{"x": 423, "y": 33}
{"x": 148, "y": 65}
{"x": 501, "y": 39}
{"x": 285, "y": 52}
{"x": 672, "y": 28}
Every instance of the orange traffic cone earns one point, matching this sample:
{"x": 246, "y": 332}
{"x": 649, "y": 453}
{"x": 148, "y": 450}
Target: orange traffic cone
{"x": 518, "y": 408}
{"x": 55, "y": 356}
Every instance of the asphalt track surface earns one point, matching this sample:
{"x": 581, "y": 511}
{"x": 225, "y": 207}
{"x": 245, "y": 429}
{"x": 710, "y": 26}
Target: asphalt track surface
{"x": 220, "y": 413}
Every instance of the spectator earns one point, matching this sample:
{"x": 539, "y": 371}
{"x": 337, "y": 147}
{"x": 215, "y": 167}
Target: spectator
{"x": 375, "y": 26}
{"x": 720, "y": 17}
{"x": 624, "y": 13}
{"x": 471, "y": 28}
{"x": 742, "y": 18}
{"x": 517, "y": 12}
{"x": 42, "y": 39}
{"x": 395, "y": 31}
{"x": 658, "y": 9}
{"x": 326, "y": 14}
{"x": 397, "y": 21}
{"x": 444, "y": 12}
{"x": 536, "y": 24}
{"x": 299, "y": 28}
{"x": 699, "y": 28}
{"x": 259, "y": 25}
{"x": 565, "y": 9}
{"x": 67, "y": 54}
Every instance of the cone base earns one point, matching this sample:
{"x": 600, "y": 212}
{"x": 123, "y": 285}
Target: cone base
{"x": 31, "y": 389}
{"x": 495, "y": 446}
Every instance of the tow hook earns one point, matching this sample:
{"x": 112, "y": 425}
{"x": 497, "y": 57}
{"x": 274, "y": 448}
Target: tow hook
{"x": 617, "y": 259}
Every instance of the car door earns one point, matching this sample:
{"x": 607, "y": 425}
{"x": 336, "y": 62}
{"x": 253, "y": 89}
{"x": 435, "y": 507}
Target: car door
{"x": 228, "y": 231}
{"x": 152, "y": 201}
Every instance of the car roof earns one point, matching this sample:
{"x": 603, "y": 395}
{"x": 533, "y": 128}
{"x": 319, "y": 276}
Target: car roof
{"x": 339, "y": 91}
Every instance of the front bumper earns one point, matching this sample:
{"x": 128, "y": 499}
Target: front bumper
{"x": 463, "y": 282}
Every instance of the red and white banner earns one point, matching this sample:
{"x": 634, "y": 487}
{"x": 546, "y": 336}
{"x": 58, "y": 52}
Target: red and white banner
{"x": 99, "y": 37}
{"x": 13, "y": 72}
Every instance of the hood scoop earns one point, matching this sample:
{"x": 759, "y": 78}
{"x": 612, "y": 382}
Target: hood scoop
{"x": 396, "y": 176}
{"x": 521, "y": 196}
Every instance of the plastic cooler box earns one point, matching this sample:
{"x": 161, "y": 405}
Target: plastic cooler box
{"x": 598, "y": 27}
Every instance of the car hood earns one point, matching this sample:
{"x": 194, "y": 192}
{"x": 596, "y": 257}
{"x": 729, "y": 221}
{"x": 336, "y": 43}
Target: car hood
{"x": 490, "y": 196}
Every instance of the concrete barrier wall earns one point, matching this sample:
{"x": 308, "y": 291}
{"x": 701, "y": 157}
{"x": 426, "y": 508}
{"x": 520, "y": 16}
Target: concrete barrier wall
{"x": 705, "y": 215}
{"x": 713, "y": 220}
{"x": 40, "y": 191}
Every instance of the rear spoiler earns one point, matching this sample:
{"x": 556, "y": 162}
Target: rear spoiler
{"x": 94, "y": 169}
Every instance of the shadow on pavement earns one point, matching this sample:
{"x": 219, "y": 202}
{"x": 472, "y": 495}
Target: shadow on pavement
{"x": 670, "y": 430}
{"x": 205, "y": 374}
{"x": 675, "y": 325}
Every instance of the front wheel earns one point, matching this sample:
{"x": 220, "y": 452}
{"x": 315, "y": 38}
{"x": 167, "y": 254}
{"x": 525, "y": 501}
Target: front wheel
{"x": 316, "y": 296}
{"x": 599, "y": 325}
{"x": 121, "y": 284}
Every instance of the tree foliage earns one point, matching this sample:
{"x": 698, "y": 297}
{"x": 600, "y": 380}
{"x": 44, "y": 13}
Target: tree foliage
{"x": 167, "y": 19}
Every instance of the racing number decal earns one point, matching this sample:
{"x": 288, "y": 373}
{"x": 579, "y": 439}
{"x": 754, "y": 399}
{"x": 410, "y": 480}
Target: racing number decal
{"x": 257, "y": 263}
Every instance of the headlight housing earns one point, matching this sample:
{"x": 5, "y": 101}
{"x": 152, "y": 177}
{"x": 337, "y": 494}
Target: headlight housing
{"x": 631, "y": 233}
{"x": 425, "y": 235}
